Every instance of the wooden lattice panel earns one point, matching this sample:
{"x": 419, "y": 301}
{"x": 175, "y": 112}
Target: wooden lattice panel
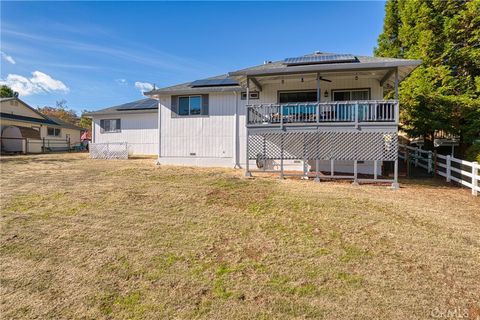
{"x": 108, "y": 150}
{"x": 363, "y": 146}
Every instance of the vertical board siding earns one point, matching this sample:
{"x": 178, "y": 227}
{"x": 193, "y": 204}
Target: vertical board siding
{"x": 140, "y": 131}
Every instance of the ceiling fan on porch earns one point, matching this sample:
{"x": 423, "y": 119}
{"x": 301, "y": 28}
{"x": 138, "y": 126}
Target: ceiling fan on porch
{"x": 323, "y": 79}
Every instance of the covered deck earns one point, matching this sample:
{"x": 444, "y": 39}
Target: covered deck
{"x": 342, "y": 117}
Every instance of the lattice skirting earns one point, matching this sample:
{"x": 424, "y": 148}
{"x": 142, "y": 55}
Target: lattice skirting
{"x": 361, "y": 146}
{"x": 108, "y": 150}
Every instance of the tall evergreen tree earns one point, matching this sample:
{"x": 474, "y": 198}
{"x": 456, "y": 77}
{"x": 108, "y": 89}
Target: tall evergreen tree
{"x": 444, "y": 93}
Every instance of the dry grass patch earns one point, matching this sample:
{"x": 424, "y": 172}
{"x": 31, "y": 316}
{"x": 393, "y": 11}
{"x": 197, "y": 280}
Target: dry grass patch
{"x": 130, "y": 240}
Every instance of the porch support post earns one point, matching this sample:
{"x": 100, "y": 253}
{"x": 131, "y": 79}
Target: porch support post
{"x": 355, "y": 173}
{"x": 305, "y": 174}
{"x": 247, "y": 167}
{"x": 395, "y": 184}
{"x": 375, "y": 167}
{"x": 332, "y": 167}
{"x": 317, "y": 160}
{"x": 396, "y": 84}
{"x": 281, "y": 155}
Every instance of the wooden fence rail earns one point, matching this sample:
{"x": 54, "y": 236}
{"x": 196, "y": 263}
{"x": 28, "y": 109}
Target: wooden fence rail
{"x": 461, "y": 171}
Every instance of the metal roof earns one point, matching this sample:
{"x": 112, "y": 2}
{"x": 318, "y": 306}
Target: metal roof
{"x": 144, "y": 105}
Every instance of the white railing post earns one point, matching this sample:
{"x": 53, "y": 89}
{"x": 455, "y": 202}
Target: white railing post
{"x": 356, "y": 114}
{"x": 475, "y": 178}
{"x": 448, "y": 168}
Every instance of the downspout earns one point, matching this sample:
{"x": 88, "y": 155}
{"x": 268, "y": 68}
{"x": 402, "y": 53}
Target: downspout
{"x": 236, "y": 137}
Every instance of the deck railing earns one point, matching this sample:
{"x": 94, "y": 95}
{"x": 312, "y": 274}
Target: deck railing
{"x": 323, "y": 112}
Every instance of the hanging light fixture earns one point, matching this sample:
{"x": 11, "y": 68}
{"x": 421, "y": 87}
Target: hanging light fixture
{"x": 325, "y": 94}
{"x": 356, "y": 77}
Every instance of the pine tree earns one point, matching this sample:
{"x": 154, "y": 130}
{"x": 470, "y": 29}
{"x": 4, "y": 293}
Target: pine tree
{"x": 444, "y": 93}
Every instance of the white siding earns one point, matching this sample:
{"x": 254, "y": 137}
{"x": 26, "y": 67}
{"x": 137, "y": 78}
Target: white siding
{"x": 140, "y": 131}
{"x": 209, "y": 140}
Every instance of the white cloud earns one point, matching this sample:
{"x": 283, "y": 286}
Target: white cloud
{"x": 143, "y": 86}
{"x": 39, "y": 83}
{"x": 122, "y": 82}
{"x": 7, "y": 57}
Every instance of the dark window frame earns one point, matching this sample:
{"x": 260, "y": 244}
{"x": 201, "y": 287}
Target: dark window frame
{"x": 297, "y": 91}
{"x": 117, "y": 128}
{"x": 189, "y": 106}
{"x": 243, "y": 95}
{"x": 57, "y": 132}
{"x": 332, "y": 92}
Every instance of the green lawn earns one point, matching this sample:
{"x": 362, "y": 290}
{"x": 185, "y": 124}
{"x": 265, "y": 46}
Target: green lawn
{"x": 131, "y": 240}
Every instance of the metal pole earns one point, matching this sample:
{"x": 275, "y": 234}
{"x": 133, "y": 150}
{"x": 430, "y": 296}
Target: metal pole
{"x": 395, "y": 184}
{"x": 281, "y": 155}
{"x": 305, "y": 174}
{"x": 332, "y": 167}
{"x": 317, "y": 160}
{"x": 375, "y": 168}
{"x": 355, "y": 173}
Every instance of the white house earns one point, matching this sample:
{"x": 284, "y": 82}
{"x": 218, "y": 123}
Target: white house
{"x": 315, "y": 113}
{"x": 135, "y": 123}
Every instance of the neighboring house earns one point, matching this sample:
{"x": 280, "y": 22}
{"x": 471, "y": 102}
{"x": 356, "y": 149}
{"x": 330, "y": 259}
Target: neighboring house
{"x": 39, "y": 130}
{"x": 135, "y": 123}
{"x": 316, "y": 111}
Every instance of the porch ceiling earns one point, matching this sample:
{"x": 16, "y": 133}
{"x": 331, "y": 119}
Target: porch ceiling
{"x": 383, "y": 72}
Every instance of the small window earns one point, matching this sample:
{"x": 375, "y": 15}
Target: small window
{"x": 110, "y": 125}
{"x": 189, "y": 106}
{"x": 254, "y": 95}
{"x": 55, "y": 132}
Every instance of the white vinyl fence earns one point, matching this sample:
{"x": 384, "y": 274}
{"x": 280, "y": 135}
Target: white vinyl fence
{"x": 451, "y": 168}
{"x": 113, "y": 150}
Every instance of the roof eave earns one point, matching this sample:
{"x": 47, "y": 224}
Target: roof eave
{"x": 119, "y": 112}
{"x": 326, "y": 67}
{"x": 198, "y": 90}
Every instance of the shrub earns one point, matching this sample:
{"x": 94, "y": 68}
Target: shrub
{"x": 473, "y": 152}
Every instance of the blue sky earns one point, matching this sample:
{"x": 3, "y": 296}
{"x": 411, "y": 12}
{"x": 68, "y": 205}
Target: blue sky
{"x": 99, "y": 54}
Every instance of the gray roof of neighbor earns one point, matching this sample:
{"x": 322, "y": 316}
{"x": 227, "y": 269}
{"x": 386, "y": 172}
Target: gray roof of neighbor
{"x": 143, "y": 105}
{"x": 63, "y": 124}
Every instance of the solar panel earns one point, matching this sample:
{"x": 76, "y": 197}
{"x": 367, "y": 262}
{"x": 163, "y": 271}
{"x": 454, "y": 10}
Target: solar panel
{"x": 139, "y": 105}
{"x": 319, "y": 59}
{"x": 213, "y": 83}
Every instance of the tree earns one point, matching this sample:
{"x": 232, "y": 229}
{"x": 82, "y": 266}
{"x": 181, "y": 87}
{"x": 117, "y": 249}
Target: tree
{"x": 444, "y": 93}
{"x": 61, "y": 111}
{"x": 6, "y": 92}
{"x": 85, "y": 122}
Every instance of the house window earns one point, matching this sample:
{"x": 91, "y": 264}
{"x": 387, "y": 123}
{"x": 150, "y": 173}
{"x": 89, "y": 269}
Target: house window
{"x": 297, "y": 96}
{"x": 189, "y": 106}
{"x": 55, "y": 132}
{"x": 254, "y": 95}
{"x": 110, "y": 125}
{"x": 351, "y": 94}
